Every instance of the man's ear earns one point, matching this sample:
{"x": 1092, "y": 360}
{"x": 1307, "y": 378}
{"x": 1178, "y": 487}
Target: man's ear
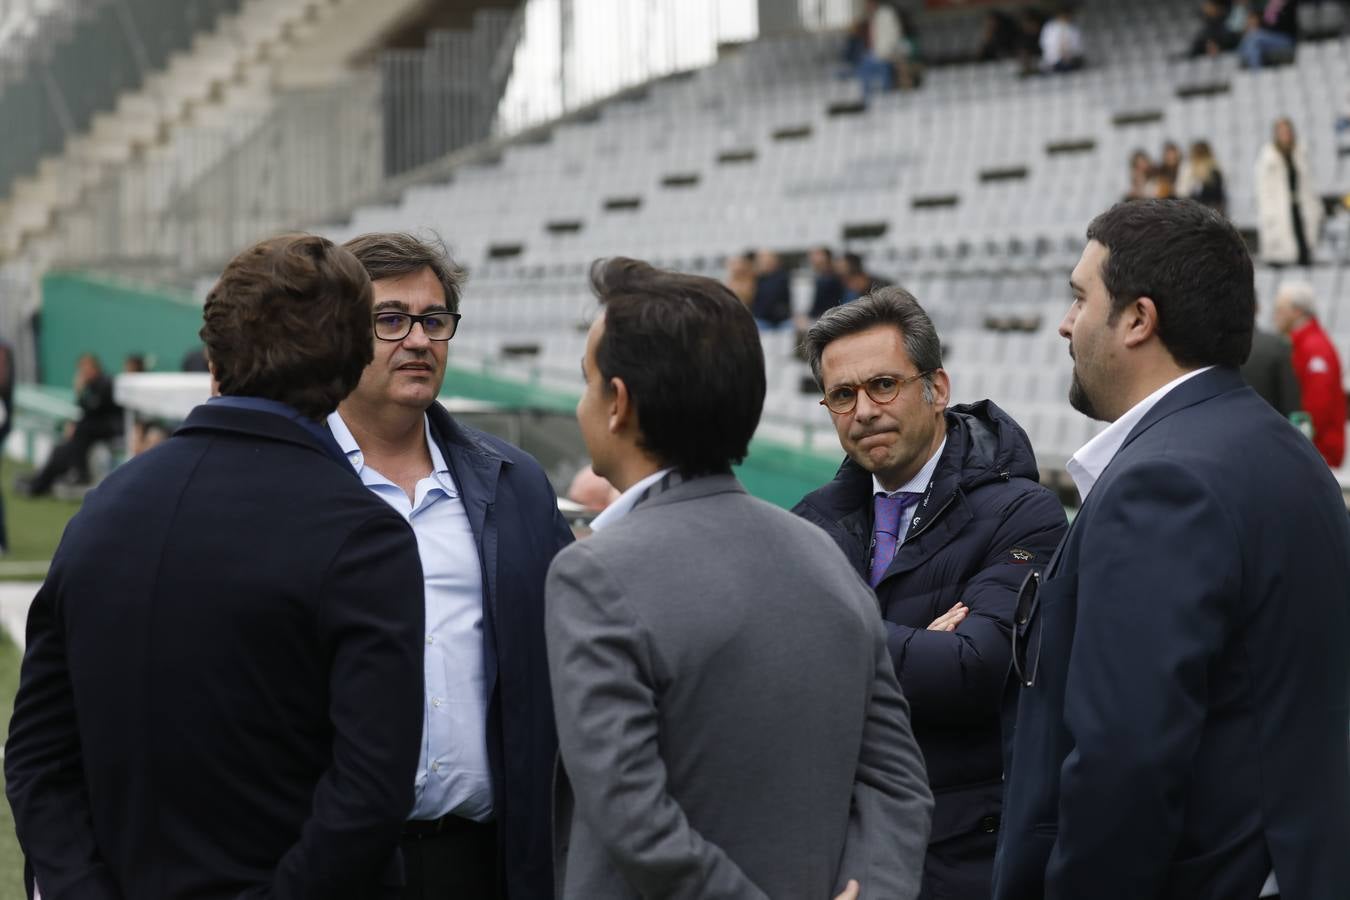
{"x": 622, "y": 413}
{"x": 1140, "y": 321}
{"x": 942, "y": 390}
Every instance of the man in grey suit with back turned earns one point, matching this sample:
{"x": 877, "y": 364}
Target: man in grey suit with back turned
{"x": 729, "y": 721}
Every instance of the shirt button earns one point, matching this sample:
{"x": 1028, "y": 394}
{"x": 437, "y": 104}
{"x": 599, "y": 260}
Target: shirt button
{"x": 435, "y": 701}
{"x": 435, "y": 767}
{"x": 430, "y": 640}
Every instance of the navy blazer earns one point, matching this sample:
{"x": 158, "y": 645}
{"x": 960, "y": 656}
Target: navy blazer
{"x": 1187, "y": 726}
{"x": 221, "y": 693}
{"x": 513, "y": 511}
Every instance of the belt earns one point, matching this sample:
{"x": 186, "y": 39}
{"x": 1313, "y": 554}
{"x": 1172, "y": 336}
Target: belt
{"x": 447, "y": 824}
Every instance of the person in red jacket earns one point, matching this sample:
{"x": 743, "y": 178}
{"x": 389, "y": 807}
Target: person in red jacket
{"x": 1317, "y": 366}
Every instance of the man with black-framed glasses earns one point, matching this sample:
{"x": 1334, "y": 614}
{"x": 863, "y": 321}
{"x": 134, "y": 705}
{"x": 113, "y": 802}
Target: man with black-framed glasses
{"x": 940, "y": 510}
{"x": 487, "y": 527}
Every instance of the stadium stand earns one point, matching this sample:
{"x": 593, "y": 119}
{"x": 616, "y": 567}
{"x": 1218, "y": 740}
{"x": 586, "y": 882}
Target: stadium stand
{"x": 972, "y": 191}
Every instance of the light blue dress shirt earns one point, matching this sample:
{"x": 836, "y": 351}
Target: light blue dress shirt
{"x": 453, "y": 775}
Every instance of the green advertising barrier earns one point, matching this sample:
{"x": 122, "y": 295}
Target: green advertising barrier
{"x": 83, "y": 313}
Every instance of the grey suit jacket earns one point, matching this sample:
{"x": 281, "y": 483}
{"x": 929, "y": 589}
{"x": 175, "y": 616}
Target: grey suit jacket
{"x": 728, "y": 717}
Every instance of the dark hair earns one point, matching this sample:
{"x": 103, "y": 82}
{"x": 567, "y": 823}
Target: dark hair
{"x": 689, "y": 353}
{"x": 289, "y": 320}
{"x": 395, "y": 254}
{"x": 853, "y": 263}
{"x": 824, "y": 251}
{"x": 1193, "y": 264}
{"x": 892, "y": 306}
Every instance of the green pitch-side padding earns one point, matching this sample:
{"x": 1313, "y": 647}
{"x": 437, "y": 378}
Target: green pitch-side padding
{"x": 112, "y": 319}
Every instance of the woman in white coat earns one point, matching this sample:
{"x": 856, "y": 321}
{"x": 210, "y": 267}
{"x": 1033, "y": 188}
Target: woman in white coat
{"x": 1289, "y": 211}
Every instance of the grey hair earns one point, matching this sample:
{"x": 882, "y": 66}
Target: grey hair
{"x": 1300, "y": 295}
{"x": 884, "y": 306}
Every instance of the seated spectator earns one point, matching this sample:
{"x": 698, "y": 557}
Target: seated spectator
{"x": 1274, "y": 30}
{"x": 100, "y": 420}
{"x": 1201, "y": 178}
{"x": 1317, "y": 366}
{"x": 999, "y": 37}
{"x": 1289, "y": 212}
{"x": 740, "y": 278}
{"x": 195, "y": 361}
{"x": 829, "y": 287}
{"x": 1168, "y": 171}
{"x": 857, "y": 280}
{"x": 1029, "y": 25}
{"x": 1143, "y": 183}
{"x": 1061, "y": 43}
{"x": 772, "y": 305}
{"x": 1214, "y": 36}
{"x": 889, "y": 53}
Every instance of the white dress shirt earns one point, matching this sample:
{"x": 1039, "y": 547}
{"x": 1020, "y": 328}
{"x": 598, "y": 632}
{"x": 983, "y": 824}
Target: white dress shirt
{"x": 453, "y": 774}
{"x": 1060, "y": 42}
{"x": 916, "y": 485}
{"x": 1087, "y": 465}
{"x": 625, "y": 502}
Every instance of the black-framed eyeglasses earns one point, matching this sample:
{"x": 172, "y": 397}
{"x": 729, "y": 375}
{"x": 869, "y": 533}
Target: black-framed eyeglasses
{"x": 395, "y": 326}
{"x": 843, "y": 398}
{"x": 1023, "y": 619}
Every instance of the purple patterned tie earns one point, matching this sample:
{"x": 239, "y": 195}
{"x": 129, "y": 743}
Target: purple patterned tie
{"x": 886, "y": 531}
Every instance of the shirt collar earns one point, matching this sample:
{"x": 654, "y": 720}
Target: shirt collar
{"x": 343, "y": 435}
{"x": 624, "y": 504}
{"x": 1087, "y": 465}
{"x": 919, "y": 483}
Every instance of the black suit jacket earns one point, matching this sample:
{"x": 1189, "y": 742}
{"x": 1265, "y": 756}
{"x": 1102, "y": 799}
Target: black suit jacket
{"x": 514, "y": 515}
{"x": 1187, "y": 728}
{"x": 221, "y": 693}
{"x": 1270, "y": 372}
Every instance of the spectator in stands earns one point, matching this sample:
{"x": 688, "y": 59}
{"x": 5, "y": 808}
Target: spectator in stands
{"x": 1061, "y": 43}
{"x": 710, "y": 749}
{"x": 1317, "y": 366}
{"x": 857, "y": 280}
{"x": 1183, "y": 669}
{"x": 219, "y": 696}
{"x": 829, "y": 287}
{"x": 1201, "y": 179}
{"x": 195, "y": 361}
{"x": 741, "y": 277}
{"x": 1214, "y": 36}
{"x": 1270, "y": 33}
{"x": 1270, "y": 372}
{"x": 1289, "y": 209}
{"x": 772, "y": 305}
{"x": 940, "y": 510}
{"x": 890, "y": 53}
{"x": 487, "y": 526}
{"x": 1143, "y": 181}
{"x": 1029, "y": 25}
{"x": 1168, "y": 170}
{"x": 6, "y": 422}
{"x": 100, "y": 420}
{"x": 999, "y": 37}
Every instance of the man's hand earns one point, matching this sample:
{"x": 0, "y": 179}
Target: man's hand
{"x": 850, "y": 891}
{"x": 950, "y": 619}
